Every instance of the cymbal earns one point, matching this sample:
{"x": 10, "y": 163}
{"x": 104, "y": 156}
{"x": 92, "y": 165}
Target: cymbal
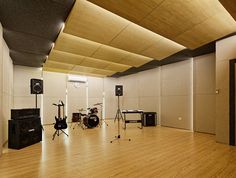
{"x": 97, "y": 104}
{"x": 82, "y": 109}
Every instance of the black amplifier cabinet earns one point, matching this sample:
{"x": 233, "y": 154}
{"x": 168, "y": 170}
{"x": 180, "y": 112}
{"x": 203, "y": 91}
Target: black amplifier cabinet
{"x": 149, "y": 119}
{"x": 24, "y": 132}
{"x": 24, "y": 113}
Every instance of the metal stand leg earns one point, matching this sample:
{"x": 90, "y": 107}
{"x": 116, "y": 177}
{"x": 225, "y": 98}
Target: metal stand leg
{"x": 118, "y": 117}
{"x": 57, "y": 132}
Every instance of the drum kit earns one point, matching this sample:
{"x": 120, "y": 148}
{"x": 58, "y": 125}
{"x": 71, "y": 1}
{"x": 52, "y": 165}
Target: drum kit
{"x": 90, "y": 120}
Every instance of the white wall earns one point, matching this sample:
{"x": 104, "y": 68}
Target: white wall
{"x": 110, "y": 99}
{"x": 204, "y": 93}
{"x": 77, "y": 98}
{"x": 54, "y": 90}
{"x": 141, "y": 91}
{"x": 22, "y": 96}
{"x": 6, "y": 89}
{"x": 176, "y": 95}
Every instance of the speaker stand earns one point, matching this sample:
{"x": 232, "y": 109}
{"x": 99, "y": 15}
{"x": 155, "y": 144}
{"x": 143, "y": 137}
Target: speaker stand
{"x": 118, "y": 117}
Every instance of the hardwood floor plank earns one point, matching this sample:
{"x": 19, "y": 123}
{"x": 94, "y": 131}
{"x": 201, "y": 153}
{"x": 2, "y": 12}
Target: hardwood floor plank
{"x": 152, "y": 152}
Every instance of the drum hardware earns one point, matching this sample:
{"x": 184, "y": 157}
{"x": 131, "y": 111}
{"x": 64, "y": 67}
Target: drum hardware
{"x": 77, "y": 119}
{"x": 60, "y": 124}
{"x": 103, "y": 121}
{"x": 91, "y": 120}
{"x": 118, "y": 117}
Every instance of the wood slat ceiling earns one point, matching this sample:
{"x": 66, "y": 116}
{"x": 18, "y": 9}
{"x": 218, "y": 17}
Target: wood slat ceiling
{"x": 70, "y": 68}
{"x": 94, "y": 23}
{"x": 191, "y": 23}
{"x": 104, "y": 37}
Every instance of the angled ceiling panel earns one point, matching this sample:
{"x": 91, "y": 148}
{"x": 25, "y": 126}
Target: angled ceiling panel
{"x": 31, "y": 27}
{"x": 94, "y": 23}
{"x": 24, "y": 42}
{"x": 40, "y": 18}
{"x": 110, "y": 54}
{"x": 27, "y": 59}
{"x": 178, "y": 20}
{"x": 58, "y": 65}
{"x": 97, "y": 24}
{"x": 92, "y": 70}
{"x": 48, "y": 69}
{"x": 69, "y": 58}
{"x": 76, "y": 45}
{"x": 60, "y": 56}
{"x": 135, "y": 60}
{"x": 129, "y": 9}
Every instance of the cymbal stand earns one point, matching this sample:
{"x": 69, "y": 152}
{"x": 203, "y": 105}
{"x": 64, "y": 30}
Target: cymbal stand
{"x": 118, "y": 117}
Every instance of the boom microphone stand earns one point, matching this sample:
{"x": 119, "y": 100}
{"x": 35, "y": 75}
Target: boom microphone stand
{"x": 118, "y": 117}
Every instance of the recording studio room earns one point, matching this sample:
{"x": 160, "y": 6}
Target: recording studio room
{"x": 117, "y": 88}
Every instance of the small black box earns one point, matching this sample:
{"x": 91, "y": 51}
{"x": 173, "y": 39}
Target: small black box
{"x": 149, "y": 119}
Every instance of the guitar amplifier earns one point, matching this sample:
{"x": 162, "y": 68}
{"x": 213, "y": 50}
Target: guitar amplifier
{"x": 24, "y": 132}
{"x": 149, "y": 119}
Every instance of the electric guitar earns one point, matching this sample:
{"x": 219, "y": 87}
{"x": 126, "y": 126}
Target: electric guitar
{"x": 60, "y": 122}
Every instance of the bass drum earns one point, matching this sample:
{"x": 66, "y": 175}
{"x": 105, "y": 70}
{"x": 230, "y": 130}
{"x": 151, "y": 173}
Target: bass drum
{"x": 91, "y": 121}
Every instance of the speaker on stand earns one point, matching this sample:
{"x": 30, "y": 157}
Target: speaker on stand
{"x": 36, "y": 87}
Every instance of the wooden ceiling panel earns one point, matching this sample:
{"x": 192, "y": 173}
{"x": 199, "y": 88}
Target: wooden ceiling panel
{"x": 65, "y": 57}
{"x": 135, "y": 39}
{"x": 94, "y": 23}
{"x": 91, "y": 62}
{"x": 199, "y": 35}
{"x": 71, "y": 72}
{"x": 129, "y": 9}
{"x": 173, "y": 17}
{"x": 92, "y": 70}
{"x": 135, "y": 60}
{"x": 110, "y": 54}
{"x": 176, "y": 19}
{"x": 162, "y": 49}
{"x": 58, "y": 65}
{"x": 117, "y": 67}
{"x": 76, "y": 45}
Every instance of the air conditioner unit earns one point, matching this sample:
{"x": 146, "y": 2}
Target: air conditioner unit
{"x": 77, "y": 78}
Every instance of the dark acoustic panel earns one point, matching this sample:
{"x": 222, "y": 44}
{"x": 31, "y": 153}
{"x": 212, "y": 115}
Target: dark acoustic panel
{"x": 42, "y": 18}
{"x": 31, "y": 26}
{"x": 27, "y": 59}
{"x": 24, "y": 42}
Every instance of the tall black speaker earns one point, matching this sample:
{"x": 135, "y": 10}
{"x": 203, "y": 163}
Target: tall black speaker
{"x": 36, "y": 86}
{"x": 24, "y": 132}
{"x": 119, "y": 90}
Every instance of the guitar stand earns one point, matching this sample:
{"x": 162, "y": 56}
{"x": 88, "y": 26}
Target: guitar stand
{"x": 57, "y": 132}
{"x": 118, "y": 117}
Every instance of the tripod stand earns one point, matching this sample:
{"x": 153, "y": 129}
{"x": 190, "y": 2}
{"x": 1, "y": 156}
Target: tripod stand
{"x": 118, "y": 117}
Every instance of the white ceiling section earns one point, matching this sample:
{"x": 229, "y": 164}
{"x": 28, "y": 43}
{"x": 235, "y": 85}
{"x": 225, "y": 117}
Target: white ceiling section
{"x": 102, "y": 37}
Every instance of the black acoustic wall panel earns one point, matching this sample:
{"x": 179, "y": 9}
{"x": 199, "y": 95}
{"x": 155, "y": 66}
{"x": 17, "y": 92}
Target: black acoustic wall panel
{"x": 31, "y": 26}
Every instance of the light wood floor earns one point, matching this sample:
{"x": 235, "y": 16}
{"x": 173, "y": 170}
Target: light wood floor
{"x": 152, "y": 152}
